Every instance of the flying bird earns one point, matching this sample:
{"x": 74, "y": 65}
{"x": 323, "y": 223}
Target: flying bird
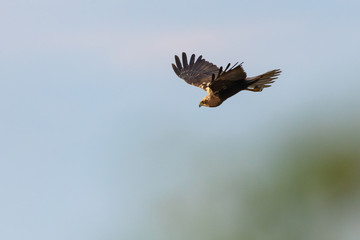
{"x": 219, "y": 83}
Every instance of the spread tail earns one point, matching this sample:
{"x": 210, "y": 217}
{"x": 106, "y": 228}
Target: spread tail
{"x": 258, "y": 83}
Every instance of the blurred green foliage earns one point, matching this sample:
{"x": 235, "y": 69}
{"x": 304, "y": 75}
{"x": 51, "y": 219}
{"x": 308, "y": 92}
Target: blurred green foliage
{"x": 309, "y": 190}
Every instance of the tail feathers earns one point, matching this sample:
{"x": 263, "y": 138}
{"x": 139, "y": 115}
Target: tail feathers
{"x": 258, "y": 83}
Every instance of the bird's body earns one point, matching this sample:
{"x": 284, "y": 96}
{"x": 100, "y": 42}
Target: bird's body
{"x": 220, "y": 84}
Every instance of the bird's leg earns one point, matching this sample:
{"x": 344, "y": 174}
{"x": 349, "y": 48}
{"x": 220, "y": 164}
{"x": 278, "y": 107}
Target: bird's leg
{"x": 255, "y": 89}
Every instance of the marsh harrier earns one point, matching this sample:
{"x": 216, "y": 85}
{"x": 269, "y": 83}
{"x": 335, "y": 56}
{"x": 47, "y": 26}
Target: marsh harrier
{"x": 219, "y": 83}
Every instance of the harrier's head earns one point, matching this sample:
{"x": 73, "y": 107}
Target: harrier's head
{"x": 210, "y": 101}
{"x": 204, "y": 102}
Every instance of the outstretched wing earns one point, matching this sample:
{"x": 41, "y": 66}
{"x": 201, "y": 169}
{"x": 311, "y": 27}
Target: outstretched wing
{"x": 226, "y": 79}
{"x": 197, "y": 73}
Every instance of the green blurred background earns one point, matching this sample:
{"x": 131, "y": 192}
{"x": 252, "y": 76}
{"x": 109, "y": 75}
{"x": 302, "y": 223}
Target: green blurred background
{"x": 99, "y": 139}
{"x": 305, "y": 186}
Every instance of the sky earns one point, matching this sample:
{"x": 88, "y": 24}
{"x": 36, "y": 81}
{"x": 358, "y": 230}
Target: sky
{"x": 96, "y": 129}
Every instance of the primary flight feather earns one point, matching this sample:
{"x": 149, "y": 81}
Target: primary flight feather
{"x": 220, "y": 84}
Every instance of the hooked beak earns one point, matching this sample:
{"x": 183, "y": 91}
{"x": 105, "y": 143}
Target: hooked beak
{"x": 201, "y": 105}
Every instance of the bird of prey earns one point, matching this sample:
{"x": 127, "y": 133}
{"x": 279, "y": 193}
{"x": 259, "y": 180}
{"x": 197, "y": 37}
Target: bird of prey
{"x": 218, "y": 83}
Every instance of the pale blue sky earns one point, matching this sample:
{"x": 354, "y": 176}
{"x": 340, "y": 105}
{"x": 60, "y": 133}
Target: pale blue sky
{"x": 95, "y": 128}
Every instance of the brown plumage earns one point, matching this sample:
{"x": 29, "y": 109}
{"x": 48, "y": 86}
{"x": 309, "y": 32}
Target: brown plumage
{"x": 220, "y": 84}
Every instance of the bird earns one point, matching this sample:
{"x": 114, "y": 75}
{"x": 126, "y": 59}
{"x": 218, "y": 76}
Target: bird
{"x": 219, "y": 83}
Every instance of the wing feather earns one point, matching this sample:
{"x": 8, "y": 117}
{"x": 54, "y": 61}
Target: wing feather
{"x": 178, "y": 62}
{"x": 184, "y": 58}
{"x": 197, "y": 64}
{"x": 226, "y": 79}
{"x": 197, "y": 73}
{"x": 192, "y": 60}
{"x": 176, "y": 70}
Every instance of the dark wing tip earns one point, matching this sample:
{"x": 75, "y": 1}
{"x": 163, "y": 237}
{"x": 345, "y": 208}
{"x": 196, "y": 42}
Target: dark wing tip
{"x": 192, "y": 60}
{"x": 220, "y": 71}
{"x": 184, "y": 59}
{"x": 178, "y": 62}
{"x": 227, "y": 67}
{"x": 234, "y": 66}
{"x": 176, "y": 70}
